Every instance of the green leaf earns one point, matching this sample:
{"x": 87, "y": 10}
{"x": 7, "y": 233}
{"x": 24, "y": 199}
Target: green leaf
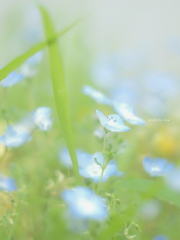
{"x": 14, "y": 64}
{"x": 151, "y": 188}
{"x": 59, "y": 87}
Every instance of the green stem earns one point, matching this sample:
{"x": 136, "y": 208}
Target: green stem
{"x": 104, "y": 166}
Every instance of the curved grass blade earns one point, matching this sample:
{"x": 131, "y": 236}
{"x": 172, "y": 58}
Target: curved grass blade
{"x": 4, "y": 72}
{"x": 59, "y": 87}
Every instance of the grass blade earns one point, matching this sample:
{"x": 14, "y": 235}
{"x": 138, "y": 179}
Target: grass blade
{"x": 4, "y": 72}
{"x": 59, "y": 87}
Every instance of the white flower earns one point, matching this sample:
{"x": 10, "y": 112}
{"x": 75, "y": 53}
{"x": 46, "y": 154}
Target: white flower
{"x": 112, "y": 122}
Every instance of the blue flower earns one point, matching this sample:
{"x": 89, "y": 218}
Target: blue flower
{"x": 65, "y": 159}
{"x": 160, "y": 237}
{"x": 112, "y": 122}
{"x": 29, "y": 67}
{"x": 7, "y": 184}
{"x": 173, "y": 179}
{"x": 96, "y": 95}
{"x": 94, "y": 166}
{"x": 14, "y": 138}
{"x": 11, "y": 79}
{"x": 42, "y": 118}
{"x": 150, "y": 209}
{"x": 84, "y": 204}
{"x": 127, "y": 113}
{"x": 157, "y": 167}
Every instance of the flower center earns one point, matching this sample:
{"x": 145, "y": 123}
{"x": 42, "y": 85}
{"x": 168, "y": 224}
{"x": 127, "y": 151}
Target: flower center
{"x": 94, "y": 169}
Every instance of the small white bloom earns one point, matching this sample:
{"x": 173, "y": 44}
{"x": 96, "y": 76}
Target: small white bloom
{"x": 112, "y": 122}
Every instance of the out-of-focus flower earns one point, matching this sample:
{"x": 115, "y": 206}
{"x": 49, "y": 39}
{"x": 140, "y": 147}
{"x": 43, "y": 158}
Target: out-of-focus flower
{"x": 173, "y": 179}
{"x": 96, "y": 95}
{"x": 84, "y": 204}
{"x": 162, "y": 84}
{"x": 157, "y": 167}
{"x": 29, "y": 67}
{"x": 150, "y": 210}
{"x": 160, "y": 237}
{"x": 112, "y": 122}
{"x": 7, "y": 184}
{"x": 65, "y": 159}
{"x": 92, "y": 167}
{"x": 42, "y": 118}
{"x": 127, "y": 113}
{"x": 11, "y": 79}
{"x": 14, "y": 138}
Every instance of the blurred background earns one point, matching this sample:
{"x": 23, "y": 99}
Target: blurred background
{"x": 129, "y": 50}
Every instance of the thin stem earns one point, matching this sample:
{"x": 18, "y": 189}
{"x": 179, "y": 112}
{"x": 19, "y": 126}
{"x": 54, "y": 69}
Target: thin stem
{"x": 104, "y": 166}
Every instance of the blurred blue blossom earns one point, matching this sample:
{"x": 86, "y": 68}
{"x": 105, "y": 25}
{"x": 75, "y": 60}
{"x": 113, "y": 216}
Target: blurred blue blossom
{"x": 65, "y": 159}
{"x": 96, "y": 95}
{"x": 18, "y": 134}
{"x": 29, "y": 67}
{"x": 14, "y": 138}
{"x": 150, "y": 209}
{"x": 11, "y": 79}
{"x": 173, "y": 179}
{"x": 95, "y": 168}
{"x": 157, "y": 167}
{"x": 161, "y": 83}
{"x": 84, "y": 204}
{"x": 127, "y": 113}
{"x": 112, "y": 122}
{"x": 42, "y": 118}
{"x": 7, "y": 184}
{"x": 160, "y": 237}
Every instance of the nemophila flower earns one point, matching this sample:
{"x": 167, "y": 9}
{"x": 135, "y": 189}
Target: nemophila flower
{"x": 42, "y": 118}
{"x": 65, "y": 159}
{"x": 127, "y": 113}
{"x": 173, "y": 179}
{"x": 84, "y": 204}
{"x": 95, "y": 168}
{"x": 14, "y": 138}
{"x": 161, "y": 83}
{"x": 160, "y": 237}
{"x": 112, "y": 122}
{"x": 150, "y": 209}
{"x": 11, "y": 79}
{"x": 29, "y": 67}
{"x": 18, "y": 134}
{"x": 96, "y": 95}
{"x": 7, "y": 184}
{"x": 157, "y": 167}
